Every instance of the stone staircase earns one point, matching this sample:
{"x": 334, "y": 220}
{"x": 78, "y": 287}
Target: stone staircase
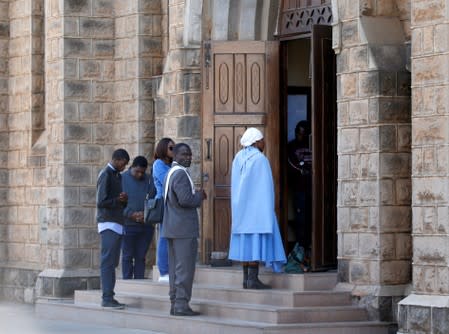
{"x": 297, "y": 304}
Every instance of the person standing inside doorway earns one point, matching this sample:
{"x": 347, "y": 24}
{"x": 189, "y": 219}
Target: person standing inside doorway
{"x": 181, "y": 228}
{"x": 255, "y": 235}
{"x": 111, "y": 201}
{"x": 138, "y": 235}
{"x": 163, "y": 158}
{"x": 300, "y": 182}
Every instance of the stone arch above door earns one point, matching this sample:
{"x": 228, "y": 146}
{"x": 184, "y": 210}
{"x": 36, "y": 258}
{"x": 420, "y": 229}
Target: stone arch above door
{"x": 242, "y": 20}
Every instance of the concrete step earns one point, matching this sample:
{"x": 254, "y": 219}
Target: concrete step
{"x": 278, "y": 297}
{"x": 233, "y": 277}
{"x": 299, "y": 303}
{"x": 156, "y": 320}
{"x": 241, "y": 311}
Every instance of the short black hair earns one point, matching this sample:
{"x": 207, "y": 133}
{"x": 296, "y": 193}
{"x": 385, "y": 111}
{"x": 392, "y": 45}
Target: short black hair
{"x": 140, "y": 161}
{"x": 178, "y": 147}
{"x": 120, "y": 154}
{"x": 303, "y": 124}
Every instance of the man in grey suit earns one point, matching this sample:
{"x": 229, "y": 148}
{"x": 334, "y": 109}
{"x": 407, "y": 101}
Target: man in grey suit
{"x": 180, "y": 227}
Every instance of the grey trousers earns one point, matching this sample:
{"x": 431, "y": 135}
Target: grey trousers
{"x": 182, "y": 255}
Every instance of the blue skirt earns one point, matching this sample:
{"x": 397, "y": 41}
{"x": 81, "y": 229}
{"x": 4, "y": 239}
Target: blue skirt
{"x": 266, "y": 247}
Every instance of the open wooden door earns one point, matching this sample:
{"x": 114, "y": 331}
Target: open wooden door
{"x": 324, "y": 148}
{"x": 240, "y": 89}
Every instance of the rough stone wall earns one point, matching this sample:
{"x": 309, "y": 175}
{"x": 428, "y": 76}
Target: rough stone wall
{"x": 37, "y": 73}
{"x": 94, "y": 65}
{"x": 4, "y": 133}
{"x": 403, "y": 12}
{"x": 100, "y": 56}
{"x": 79, "y": 90}
{"x": 426, "y": 310}
{"x": 103, "y": 54}
{"x": 374, "y": 214}
{"x": 23, "y": 118}
{"x": 138, "y": 57}
{"x": 178, "y": 103}
{"x": 399, "y": 8}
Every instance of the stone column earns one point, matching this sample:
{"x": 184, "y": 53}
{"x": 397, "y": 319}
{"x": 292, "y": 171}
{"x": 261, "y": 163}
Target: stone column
{"x": 23, "y": 196}
{"x": 374, "y": 214}
{"x": 177, "y": 90}
{"x": 139, "y": 38}
{"x": 4, "y": 133}
{"x": 426, "y": 309}
{"x": 138, "y": 57}
{"x": 100, "y": 58}
{"x": 178, "y": 104}
{"x": 79, "y": 81}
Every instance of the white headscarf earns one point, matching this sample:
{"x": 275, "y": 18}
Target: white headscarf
{"x": 250, "y": 136}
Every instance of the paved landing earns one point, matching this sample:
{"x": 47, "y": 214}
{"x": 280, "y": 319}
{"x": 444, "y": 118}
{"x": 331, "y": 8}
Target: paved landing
{"x": 18, "y": 318}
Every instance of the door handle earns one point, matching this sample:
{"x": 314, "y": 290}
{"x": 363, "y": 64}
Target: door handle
{"x": 208, "y": 149}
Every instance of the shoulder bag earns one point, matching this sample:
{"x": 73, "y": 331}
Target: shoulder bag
{"x": 153, "y": 207}
{"x": 154, "y": 210}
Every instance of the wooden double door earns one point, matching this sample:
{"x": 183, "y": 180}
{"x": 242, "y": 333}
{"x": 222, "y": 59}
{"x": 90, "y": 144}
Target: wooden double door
{"x": 241, "y": 88}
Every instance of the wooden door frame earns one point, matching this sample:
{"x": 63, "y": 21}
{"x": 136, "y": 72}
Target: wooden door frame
{"x": 283, "y": 96}
{"x": 206, "y": 154}
{"x": 324, "y": 179}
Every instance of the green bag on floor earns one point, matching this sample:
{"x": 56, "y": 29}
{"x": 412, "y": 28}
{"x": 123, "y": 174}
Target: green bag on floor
{"x": 297, "y": 262}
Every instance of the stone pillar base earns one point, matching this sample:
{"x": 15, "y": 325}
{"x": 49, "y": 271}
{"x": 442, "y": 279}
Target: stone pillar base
{"x": 424, "y": 314}
{"x": 62, "y": 283}
{"x": 17, "y": 284}
{"x": 380, "y": 301}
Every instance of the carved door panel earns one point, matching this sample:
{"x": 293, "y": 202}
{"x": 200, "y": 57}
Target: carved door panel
{"x": 240, "y": 89}
{"x": 324, "y": 146}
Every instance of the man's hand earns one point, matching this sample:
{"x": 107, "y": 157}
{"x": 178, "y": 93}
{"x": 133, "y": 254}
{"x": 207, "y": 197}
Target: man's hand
{"x": 137, "y": 216}
{"x": 123, "y": 197}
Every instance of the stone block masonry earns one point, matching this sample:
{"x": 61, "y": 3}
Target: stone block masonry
{"x": 374, "y": 197}
{"x": 100, "y": 59}
{"x": 426, "y": 308}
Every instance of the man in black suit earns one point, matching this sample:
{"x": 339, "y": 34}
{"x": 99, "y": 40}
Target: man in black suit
{"x": 181, "y": 228}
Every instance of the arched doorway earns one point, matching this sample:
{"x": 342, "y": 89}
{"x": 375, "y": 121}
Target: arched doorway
{"x": 228, "y": 107}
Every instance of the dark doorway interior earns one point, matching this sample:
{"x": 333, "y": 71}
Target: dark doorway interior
{"x": 309, "y": 170}
{"x": 298, "y": 156}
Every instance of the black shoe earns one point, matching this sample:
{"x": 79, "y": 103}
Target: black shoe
{"x": 172, "y": 309}
{"x": 112, "y": 304}
{"x": 188, "y": 312}
{"x": 257, "y": 285}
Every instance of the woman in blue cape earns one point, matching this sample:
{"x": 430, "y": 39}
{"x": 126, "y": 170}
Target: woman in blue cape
{"x": 255, "y": 233}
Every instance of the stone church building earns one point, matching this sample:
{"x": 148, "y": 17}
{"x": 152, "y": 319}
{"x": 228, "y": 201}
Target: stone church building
{"x": 80, "y": 78}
